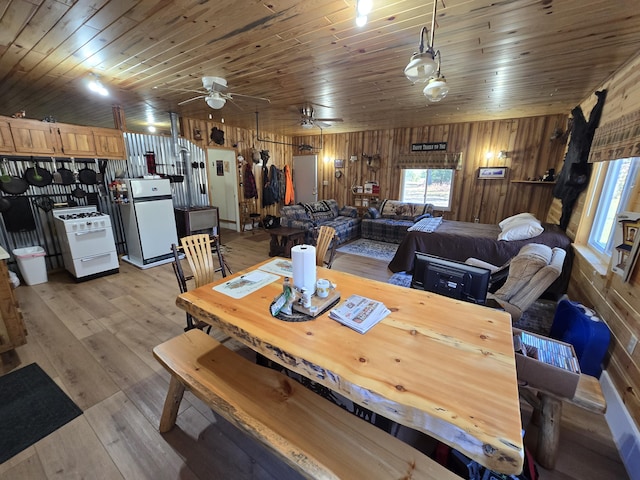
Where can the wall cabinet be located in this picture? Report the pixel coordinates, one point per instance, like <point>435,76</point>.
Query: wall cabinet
<point>21,136</point>
<point>6,142</point>
<point>33,137</point>
<point>109,143</point>
<point>76,141</point>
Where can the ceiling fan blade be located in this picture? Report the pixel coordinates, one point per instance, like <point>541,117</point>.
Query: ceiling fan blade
<point>246,96</point>
<point>328,119</point>
<point>191,99</point>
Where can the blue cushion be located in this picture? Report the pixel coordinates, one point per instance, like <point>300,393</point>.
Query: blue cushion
<point>373,212</point>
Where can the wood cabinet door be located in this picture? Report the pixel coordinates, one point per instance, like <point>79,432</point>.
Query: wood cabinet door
<point>77,141</point>
<point>109,143</point>
<point>6,142</point>
<point>31,136</point>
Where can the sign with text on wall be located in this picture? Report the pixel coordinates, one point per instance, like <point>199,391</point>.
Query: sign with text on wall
<point>428,147</point>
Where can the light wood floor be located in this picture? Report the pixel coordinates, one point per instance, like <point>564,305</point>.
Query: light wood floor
<point>95,339</point>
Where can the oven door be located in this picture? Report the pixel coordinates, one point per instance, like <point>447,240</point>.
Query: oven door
<point>91,242</point>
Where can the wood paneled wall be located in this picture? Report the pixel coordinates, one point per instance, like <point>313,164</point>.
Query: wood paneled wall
<point>617,302</point>
<point>528,141</point>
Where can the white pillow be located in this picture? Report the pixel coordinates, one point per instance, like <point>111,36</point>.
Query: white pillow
<point>515,218</point>
<point>521,230</point>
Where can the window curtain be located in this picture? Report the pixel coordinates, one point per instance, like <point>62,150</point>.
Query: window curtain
<point>430,160</point>
<point>617,139</point>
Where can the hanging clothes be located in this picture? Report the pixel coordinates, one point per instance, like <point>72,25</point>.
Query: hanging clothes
<point>274,183</point>
<point>267,195</point>
<point>250,187</point>
<point>289,196</point>
<point>282,185</point>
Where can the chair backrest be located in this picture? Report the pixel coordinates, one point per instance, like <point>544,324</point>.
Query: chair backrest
<point>198,252</point>
<point>531,272</point>
<point>326,235</point>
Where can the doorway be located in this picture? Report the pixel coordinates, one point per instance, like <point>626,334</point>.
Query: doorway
<point>222,171</point>
<point>305,178</point>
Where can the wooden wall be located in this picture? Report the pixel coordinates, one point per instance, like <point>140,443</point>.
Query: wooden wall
<point>527,141</point>
<point>618,303</point>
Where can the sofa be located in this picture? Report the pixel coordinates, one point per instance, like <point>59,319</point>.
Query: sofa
<point>325,212</point>
<point>389,221</point>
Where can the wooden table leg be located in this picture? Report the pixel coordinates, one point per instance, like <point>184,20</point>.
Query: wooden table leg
<point>549,430</point>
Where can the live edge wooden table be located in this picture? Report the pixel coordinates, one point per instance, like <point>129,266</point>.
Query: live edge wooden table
<point>437,365</point>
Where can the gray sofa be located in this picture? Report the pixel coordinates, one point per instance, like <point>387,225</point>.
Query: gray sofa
<point>391,219</point>
<point>325,212</point>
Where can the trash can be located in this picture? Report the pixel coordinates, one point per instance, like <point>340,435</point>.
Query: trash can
<point>31,264</point>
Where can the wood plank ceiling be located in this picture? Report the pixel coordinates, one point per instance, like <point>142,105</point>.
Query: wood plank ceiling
<point>502,59</point>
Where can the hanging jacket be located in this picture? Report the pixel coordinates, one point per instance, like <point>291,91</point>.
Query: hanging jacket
<point>274,185</point>
<point>267,194</point>
<point>250,187</point>
<point>289,196</point>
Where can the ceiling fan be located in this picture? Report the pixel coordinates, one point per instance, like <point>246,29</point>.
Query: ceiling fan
<point>308,119</point>
<point>214,94</point>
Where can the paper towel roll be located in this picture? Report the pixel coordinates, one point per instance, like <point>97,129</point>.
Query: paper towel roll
<point>303,259</point>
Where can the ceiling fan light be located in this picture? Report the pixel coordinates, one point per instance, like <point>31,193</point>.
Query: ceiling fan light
<point>215,101</point>
<point>436,89</point>
<point>421,67</point>
<point>307,125</point>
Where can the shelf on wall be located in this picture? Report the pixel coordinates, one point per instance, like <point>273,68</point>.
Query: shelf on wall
<point>533,182</point>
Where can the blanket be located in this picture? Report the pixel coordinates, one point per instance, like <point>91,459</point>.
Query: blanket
<point>425,225</point>
<point>462,240</point>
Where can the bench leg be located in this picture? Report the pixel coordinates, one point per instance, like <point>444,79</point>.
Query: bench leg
<point>549,432</point>
<point>171,405</point>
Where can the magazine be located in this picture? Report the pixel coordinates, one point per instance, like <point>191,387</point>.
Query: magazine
<point>359,313</point>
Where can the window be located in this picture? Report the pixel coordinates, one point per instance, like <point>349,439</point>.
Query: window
<point>427,185</point>
<point>619,182</point>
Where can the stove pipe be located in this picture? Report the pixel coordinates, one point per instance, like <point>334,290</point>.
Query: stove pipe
<point>181,155</point>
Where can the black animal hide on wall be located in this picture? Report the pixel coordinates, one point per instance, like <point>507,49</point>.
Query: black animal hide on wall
<point>576,169</point>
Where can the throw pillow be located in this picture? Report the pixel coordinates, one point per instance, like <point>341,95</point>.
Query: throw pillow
<point>521,230</point>
<point>373,212</point>
<point>515,218</point>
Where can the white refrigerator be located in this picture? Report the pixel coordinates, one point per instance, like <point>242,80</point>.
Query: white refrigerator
<point>149,222</point>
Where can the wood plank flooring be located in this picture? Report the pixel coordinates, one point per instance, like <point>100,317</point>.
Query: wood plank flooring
<point>95,340</point>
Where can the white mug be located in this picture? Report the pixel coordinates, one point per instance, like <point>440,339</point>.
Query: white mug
<point>322,288</point>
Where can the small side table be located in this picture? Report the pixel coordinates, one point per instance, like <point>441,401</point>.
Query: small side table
<point>282,239</point>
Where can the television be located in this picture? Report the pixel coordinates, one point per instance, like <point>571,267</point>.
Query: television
<point>450,278</point>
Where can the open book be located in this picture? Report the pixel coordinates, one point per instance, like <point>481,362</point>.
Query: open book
<point>359,313</point>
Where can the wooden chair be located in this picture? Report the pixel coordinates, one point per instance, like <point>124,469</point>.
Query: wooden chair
<point>326,240</point>
<point>249,214</point>
<point>199,251</point>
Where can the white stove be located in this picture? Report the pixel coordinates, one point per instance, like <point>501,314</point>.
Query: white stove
<point>86,238</point>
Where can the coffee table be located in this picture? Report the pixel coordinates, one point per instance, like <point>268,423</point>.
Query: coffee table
<point>283,238</point>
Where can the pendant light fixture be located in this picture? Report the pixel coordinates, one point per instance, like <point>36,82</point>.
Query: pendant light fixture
<point>437,87</point>
<point>423,66</point>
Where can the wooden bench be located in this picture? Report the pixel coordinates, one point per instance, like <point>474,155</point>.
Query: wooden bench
<point>548,414</point>
<point>314,436</point>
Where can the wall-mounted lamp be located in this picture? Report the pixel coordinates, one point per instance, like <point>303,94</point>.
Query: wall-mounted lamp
<point>502,154</point>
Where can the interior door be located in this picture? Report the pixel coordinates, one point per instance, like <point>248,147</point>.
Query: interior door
<point>305,178</point>
<point>223,185</point>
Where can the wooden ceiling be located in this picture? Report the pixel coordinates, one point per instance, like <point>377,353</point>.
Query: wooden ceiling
<point>501,58</point>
